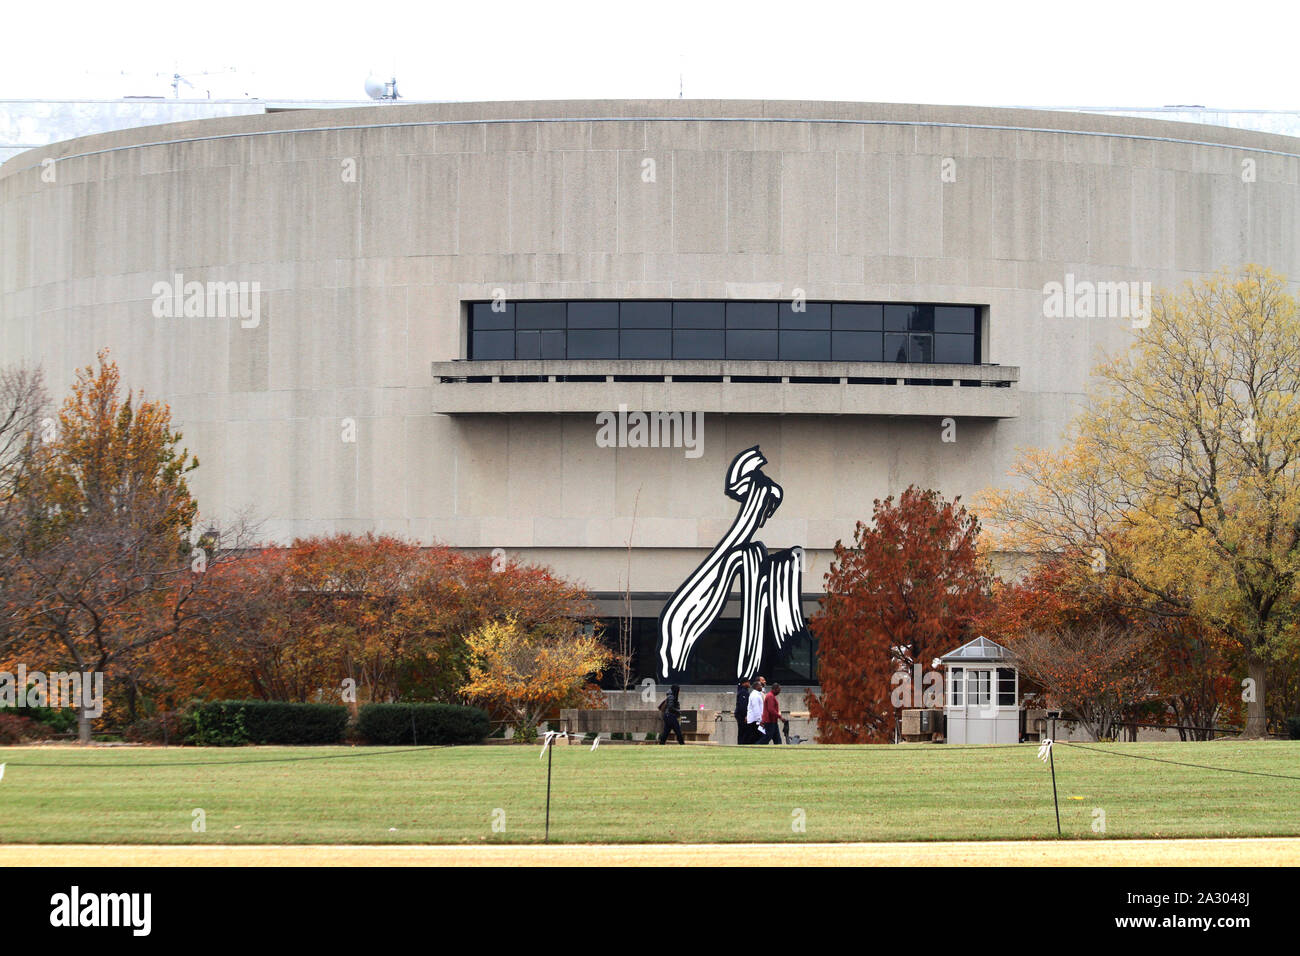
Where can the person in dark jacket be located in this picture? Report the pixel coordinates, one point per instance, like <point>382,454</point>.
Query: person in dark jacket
<point>742,705</point>
<point>672,716</point>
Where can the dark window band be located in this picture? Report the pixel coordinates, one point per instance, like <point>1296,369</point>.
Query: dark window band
<point>731,330</point>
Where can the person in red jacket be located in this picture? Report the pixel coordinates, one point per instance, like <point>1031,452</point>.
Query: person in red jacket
<point>772,715</point>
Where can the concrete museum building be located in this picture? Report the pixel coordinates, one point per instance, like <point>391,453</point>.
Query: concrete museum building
<point>456,322</point>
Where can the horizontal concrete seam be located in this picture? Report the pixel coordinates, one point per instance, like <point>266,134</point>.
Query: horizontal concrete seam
<point>682,119</point>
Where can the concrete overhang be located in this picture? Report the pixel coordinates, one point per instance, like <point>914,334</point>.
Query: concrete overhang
<point>727,388</point>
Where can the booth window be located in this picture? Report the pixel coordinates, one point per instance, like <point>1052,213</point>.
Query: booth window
<point>978,684</point>
<point>1006,687</point>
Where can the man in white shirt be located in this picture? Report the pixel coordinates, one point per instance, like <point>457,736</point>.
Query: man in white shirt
<point>754,712</point>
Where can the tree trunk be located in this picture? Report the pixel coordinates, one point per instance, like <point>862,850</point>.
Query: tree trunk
<point>83,726</point>
<point>1256,716</point>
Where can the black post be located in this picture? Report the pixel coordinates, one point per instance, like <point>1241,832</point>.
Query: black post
<point>415,739</point>
<point>1057,803</point>
<point>549,750</point>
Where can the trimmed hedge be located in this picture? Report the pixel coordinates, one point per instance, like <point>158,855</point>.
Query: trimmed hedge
<point>1293,727</point>
<point>234,722</point>
<point>423,724</point>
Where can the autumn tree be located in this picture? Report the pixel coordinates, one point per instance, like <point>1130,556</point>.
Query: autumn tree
<point>1092,670</point>
<point>1118,658</point>
<point>23,402</point>
<point>383,612</point>
<point>525,673</point>
<point>1181,477</point>
<point>903,592</point>
<point>1194,676</point>
<point>104,565</point>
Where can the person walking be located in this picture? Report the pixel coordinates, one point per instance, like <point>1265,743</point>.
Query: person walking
<point>772,715</point>
<point>754,715</point>
<point>742,707</point>
<point>672,711</point>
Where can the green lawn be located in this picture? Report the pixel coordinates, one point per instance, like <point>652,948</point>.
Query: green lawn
<point>639,794</point>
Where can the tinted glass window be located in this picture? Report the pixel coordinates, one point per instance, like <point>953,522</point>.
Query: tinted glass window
<point>593,343</point>
<point>553,345</point>
<point>751,315</point>
<point>528,345</point>
<point>754,331</point>
<point>898,318</point>
<point>698,315</point>
<point>751,345</point>
<point>484,318</point>
<point>954,319</point>
<point>864,318</point>
<point>646,315</point>
<point>645,344</point>
<point>539,315</point>
<point>855,346</point>
<point>814,315</point>
<point>593,315</point>
<point>895,347</point>
<point>492,345</point>
<point>700,344</point>
<point>954,348</point>
<point>805,346</point>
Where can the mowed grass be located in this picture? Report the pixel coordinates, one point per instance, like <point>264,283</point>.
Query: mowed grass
<point>641,794</point>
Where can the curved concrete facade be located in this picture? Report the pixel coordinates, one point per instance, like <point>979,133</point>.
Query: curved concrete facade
<point>368,229</point>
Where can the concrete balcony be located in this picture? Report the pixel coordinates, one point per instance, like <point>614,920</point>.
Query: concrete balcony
<point>726,388</point>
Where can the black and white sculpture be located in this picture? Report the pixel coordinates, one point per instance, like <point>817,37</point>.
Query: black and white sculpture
<point>770,583</point>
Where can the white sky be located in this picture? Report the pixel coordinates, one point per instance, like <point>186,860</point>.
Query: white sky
<point>1080,53</point>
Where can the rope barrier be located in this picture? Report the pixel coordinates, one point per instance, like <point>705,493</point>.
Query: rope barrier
<point>822,748</point>
<point>1176,763</point>
<point>227,763</point>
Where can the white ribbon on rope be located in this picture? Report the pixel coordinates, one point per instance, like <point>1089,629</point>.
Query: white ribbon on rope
<point>1044,752</point>
<point>552,734</point>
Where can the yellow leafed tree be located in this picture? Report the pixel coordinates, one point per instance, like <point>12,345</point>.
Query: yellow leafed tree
<point>525,673</point>
<point>1181,478</point>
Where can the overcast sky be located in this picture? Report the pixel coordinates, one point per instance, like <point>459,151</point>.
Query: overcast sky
<point>1082,53</point>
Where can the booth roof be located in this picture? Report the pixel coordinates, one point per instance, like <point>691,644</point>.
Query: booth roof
<point>980,649</point>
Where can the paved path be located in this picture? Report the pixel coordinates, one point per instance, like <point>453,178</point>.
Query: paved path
<point>1261,851</point>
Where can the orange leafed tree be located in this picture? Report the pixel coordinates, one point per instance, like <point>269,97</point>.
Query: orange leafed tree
<point>903,592</point>
<point>382,612</point>
<point>1105,655</point>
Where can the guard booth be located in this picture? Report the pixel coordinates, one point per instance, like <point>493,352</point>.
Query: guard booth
<point>982,703</point>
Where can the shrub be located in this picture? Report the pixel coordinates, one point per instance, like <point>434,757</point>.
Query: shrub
<point>224,723</point>
<point>423,724</point>
<point>60,720</point>
<point>214,725</point>
<point>17,730</point>
<point>1293,727</point>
